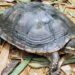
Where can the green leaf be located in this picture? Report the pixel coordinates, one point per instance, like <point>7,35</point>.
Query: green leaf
<point>70,61</point>
<point>24,1</point>
<point>20,67</point>
<point>40,59</point>
<point>1,11</point>
<point>39,62</point>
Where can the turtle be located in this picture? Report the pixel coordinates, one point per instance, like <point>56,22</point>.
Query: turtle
<point>38,29</point>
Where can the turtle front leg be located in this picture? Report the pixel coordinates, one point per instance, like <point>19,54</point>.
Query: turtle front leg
<point>54,69</point>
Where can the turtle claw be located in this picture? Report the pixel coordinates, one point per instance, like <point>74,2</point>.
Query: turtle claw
<point>54,73</point>
<point>55,70</point>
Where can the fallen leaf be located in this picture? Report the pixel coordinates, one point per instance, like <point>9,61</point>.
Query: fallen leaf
<point>4,57</point>
<point>22,65</point>
<point>10,67</point>
<point>72,1</point>
<point>67,69</point>
<point>33,71</point>
<point>8,0</point>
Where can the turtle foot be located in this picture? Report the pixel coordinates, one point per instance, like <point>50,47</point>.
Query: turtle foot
<point>55,70</point>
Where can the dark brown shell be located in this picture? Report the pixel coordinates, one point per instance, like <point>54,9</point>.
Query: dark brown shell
<point>36,27</point>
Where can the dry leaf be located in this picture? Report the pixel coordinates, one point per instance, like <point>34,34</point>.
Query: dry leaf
<point>9,68</point>
<point>8,0</point>
<point>66,69</point>
<point>32,71</point>
<point>69,69</point>
<point>4,57</point>
<point>72,1</point>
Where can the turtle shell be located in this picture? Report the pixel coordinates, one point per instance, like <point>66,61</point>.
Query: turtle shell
<point>35,27</point>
